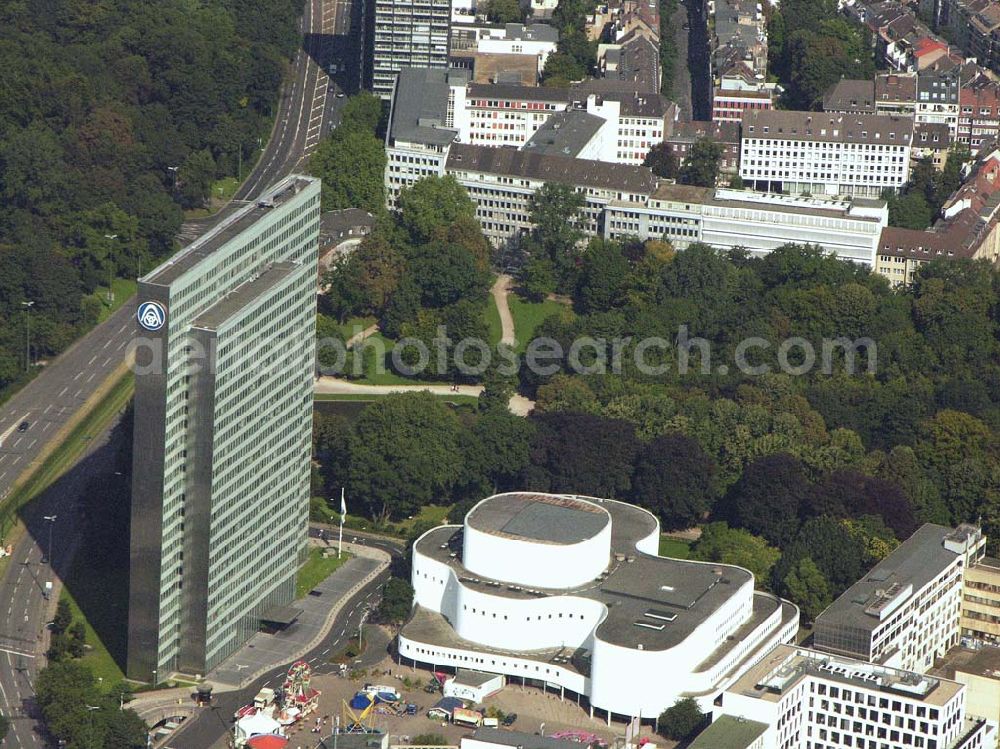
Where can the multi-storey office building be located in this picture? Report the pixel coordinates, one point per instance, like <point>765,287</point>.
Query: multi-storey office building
<point>223,426</point>
<point>799,152</point>
<point>408,33</point>
<point>625,201</point>
<point>422,125</point>
<point>905,612</point>
<point>812,700</point>
<point>981,602</point>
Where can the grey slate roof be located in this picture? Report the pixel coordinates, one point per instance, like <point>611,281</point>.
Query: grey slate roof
<point>420,106</point>
<point>559,169</point>
<point>565,133</point>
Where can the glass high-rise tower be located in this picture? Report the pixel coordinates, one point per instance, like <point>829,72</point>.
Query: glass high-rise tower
<point>223,428</point>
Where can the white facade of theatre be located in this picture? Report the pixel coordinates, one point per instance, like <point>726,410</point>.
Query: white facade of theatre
<point>517,634</point>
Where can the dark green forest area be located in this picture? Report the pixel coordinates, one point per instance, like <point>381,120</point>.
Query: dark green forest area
<point>115,115</point>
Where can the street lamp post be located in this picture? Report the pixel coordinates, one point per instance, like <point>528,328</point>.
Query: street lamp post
<point>174,169</point>
<point>154,678</point>
<point>27,333</point>
<point>111,293</point>
<point>90,715</point>
<point>51,520</point>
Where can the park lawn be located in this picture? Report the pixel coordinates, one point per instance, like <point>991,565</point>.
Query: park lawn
<point>528,316</point>
<point>316,569</point>
<point>674,547</point>
<point>97,658</point>
<point>491,316</point>
<point>122,290</point>
<point>225,188</point>
<point>433,514</point>
<point>355,325</point>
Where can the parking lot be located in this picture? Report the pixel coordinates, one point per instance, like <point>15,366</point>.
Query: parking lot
<point>533,708</point>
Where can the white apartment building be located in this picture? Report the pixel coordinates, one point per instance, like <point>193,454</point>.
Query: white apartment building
<point>509,115</point>
<point>569,593</point>
<point>825,154</point>
<point>812,700</point>
<point>906,611</point>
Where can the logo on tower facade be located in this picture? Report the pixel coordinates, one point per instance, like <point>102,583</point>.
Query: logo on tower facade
<point>151,315</point>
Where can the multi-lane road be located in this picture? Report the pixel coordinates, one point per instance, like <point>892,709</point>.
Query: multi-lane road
<point>308,105</point>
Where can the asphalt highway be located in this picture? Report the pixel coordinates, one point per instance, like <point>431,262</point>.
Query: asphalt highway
<point>58,391</point>
<point>23,594</point>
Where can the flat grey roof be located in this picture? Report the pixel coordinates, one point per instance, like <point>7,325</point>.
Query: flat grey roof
<point>242,296</point>
<point>856,127</point>
<point>283,615</point>
<point>538,517</point>
<point>638,589</point>
<point>565,133</point>
<point>917,561</point>
<point>229,228</point>
<point>534,32</point>
<point>420,105</point>
<point>473,678</point>
<point>548,168</point>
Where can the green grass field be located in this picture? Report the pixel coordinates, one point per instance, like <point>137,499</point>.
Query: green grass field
<point>355,325</point>
<point>491,316</point>
<point>98,658</point>
<point>316,569</point>
<point>528,316</point>
<point>674,547</point>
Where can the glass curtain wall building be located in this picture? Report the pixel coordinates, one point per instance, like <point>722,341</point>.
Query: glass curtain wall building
<point>225,359</point>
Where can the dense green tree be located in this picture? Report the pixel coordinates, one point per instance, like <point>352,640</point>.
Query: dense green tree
<point>807,588</point>
<point>404,453</point>
<point>604,277</point>
<point>556,236</point>
<point>768,498</point>
<point>600,465</point>
<point>681,720</point>
<point>675,480</point>
<point>433,203</point>
<point>351,163</point>
<point>496,449</point>
<point>195,178</point>
<point>701,167</point>
<point>720,543</point>
<point>662,160</point>
<point>397,601</point>
<point>909,211</point>
<point>504,11</point>
<point>4,727</point>
<point>447,273</point>
<point>538,278</point>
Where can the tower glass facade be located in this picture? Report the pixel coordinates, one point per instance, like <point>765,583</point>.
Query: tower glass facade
<point>223,426</point>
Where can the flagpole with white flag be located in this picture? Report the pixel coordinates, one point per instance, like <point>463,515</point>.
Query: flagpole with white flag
<point>343,517</point>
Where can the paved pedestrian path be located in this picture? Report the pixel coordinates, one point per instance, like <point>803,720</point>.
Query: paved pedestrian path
<point>500,292</point>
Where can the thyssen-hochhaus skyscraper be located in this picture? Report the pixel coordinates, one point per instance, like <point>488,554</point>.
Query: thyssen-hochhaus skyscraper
<point>223,426</point>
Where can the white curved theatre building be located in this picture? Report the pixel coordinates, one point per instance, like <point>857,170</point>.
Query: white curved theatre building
<point>568,593</point>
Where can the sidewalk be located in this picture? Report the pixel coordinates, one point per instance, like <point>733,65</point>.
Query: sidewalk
<point>518,405</point>
<point>500,291</point>
<point>265,652</point>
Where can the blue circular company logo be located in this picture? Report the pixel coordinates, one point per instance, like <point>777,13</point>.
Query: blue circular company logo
<point>151,315</point>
